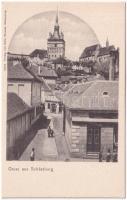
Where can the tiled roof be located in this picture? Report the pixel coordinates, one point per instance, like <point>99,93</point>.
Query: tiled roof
<point>41,53</point>
<point>105,50</point>
<point>15,106</point>
<point>45,72</point>
<point>18,72</point>
<point>94,95</point>
<point>34,70</point>
<point>89,51</point>
<point>74,92</point>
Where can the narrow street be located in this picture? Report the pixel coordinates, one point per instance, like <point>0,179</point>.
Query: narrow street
<point>62,148</point>
<point>48,148</point>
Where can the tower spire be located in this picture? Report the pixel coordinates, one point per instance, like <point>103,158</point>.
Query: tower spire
<point>57,16</point>
<point>56,27</point>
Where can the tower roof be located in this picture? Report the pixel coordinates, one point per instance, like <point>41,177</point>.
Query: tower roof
<point>56,35</point>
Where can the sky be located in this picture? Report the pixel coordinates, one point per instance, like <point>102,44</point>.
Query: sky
<point>33,34</point>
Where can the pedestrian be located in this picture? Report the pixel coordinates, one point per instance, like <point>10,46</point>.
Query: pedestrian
<point>108,156</point>
<point>52,133</point>
<point>49,131</point>
<point>32,155</point>
<point>100,156</point>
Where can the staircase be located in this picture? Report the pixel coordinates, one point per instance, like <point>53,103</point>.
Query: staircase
<point>92,155</point>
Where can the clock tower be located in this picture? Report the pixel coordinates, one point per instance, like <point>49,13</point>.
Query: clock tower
<point>55,42</point>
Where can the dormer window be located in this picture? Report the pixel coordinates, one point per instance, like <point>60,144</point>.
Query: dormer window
<point>105,93</point>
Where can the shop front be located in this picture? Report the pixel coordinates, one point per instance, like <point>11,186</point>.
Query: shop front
<point>88,139</point>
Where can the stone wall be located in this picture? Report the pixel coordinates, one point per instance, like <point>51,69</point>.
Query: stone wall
<point>79,140</point>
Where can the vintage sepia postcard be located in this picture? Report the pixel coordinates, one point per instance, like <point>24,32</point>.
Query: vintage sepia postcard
<point>63,126</point>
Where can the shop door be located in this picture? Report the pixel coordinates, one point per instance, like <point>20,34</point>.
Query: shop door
<point>93,139</point>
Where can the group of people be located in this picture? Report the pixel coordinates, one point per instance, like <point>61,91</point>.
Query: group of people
<point>109,156</point>
<point>50,132</point>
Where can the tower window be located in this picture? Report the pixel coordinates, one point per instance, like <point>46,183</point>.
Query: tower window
<point>55,45</point>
